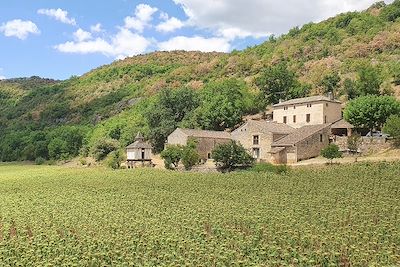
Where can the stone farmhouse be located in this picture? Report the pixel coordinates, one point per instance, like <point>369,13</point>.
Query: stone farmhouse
<point>300,129</point>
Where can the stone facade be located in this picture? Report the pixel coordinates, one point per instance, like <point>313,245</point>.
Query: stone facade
<point>257,136</point>
<point>206,141</point>
<point>305,143</point>
<point>308,111</point>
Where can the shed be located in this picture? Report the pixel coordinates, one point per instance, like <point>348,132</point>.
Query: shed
<point>139,152</point>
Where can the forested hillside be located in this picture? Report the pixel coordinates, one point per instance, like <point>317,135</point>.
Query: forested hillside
<point>351,54</point>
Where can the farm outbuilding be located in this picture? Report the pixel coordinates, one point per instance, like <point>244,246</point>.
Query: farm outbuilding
<point>206,140</point>
<point>140,152</point>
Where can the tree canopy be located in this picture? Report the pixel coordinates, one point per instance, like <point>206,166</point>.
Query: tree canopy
<point>371,111</point>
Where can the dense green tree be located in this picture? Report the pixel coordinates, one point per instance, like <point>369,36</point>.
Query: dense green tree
<point>392,127</point>
<point>274,81</point>
<point>58,149</point>
<point>371,111</point>
<point>103,147</point>
<point>330,82</point>
<point>223,105</point>
<point>369,80</point>
<point>331,152</point>
<point>350,89</point>
<point>278,82</point>
<point>391,12</point>
<point>168,109</point>
<point>231,155</point>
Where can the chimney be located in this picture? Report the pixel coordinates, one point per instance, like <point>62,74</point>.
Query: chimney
<point>330,96</point>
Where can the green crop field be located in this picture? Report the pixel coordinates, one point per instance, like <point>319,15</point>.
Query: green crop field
<point>330,216</point>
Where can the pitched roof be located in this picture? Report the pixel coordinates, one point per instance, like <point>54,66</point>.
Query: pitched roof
<point>206,134</point>
<point>342,124</point>
<point>299,135</point>
<point>268,127</point>
<point>306,100</point>
<point>139,143</point>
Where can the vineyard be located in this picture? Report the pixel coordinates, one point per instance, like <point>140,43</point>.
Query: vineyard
<point>330,216</point>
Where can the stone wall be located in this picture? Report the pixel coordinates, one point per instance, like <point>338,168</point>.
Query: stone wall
<point>245,137</point>
<point>311,147</point>
<point>369,145</point>
<point>206,145</point>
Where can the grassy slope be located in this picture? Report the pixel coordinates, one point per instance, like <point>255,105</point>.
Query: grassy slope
<point>338,215</point>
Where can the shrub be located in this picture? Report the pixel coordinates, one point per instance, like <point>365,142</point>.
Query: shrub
<point>268,167</point>
<point>331,152</point>
<point>190,157</point>
<point>392,127</point>
<point>353,143</point>
<point>40,161</point>
<point>231,155</point>
<point>171,156</point>
<point>114,160</point>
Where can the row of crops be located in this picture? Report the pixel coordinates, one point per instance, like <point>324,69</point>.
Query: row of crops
<point>330,216</point>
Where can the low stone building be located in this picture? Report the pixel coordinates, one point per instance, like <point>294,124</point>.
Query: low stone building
<point>257,137</point>
<point>206,140</point>
<point>304,143</point>
<point>139,153</point>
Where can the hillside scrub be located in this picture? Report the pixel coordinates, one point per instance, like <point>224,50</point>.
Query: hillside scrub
<point>352,54</point>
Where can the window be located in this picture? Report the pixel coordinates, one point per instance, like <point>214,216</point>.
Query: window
<point>326,104</point>
<point>284,119</point>
<point>325,119</point>
<point>294,107</point>
<point>209,155</point>
<point>256,153</point>
<point>285,108</point>
<point>294,118</point>
<point>309,105</point>
<point>256,140</point>
<point>321,139</point>
<point>308,117</point>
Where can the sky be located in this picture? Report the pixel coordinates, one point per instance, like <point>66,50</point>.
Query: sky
<point>60,38</point>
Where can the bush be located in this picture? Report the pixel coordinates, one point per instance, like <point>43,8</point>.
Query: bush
<point>190,157</point>
<point>392,127</point>
<point>231,155</point>
<point>171,156</point>
<point>331,152</point>
<point>40,161</point>
<point>114,160</point>
<point>268,167</point>
<point>103,147</point>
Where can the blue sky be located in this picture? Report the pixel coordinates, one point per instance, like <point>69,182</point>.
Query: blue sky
<point>60,38</point>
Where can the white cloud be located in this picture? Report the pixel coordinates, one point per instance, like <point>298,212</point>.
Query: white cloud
<point>196,43</point>
<point>143,16</point>
<point>257,18</point>
<point>81,35</point>
<point>96,28</point>
<point>2,77</point>
<point>123,44</point>
<point>58,14</point>
<point>170,25</point>
<point>19,28</point>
